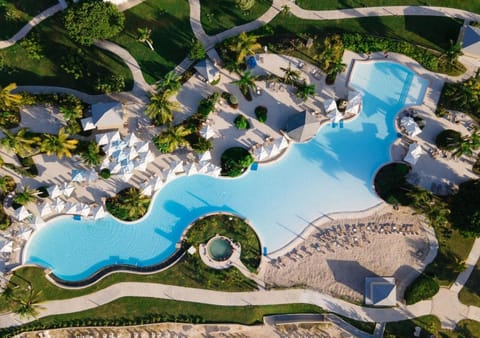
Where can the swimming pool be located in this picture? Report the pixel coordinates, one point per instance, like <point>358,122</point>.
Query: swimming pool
<point>331,173</point>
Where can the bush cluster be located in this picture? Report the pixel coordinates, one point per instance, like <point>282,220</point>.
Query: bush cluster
<point>235,161</point>
<point>261,113</point>
<point>241,122</point>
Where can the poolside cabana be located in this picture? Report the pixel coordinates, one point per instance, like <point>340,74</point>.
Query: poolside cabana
<point>206,156</point>
<point>415,151</point>
<point>380,291</point>
<point>411,127</point>
<point>98,212</point>
<point>107,115</point>
<point>21,213</point>
<point>303,126</point>
<point>54,191</point>
<point>260,153</point>
<point>45,209</point>
<point>281,143</point>
<point>354,104</point>
<point>207,132</point>
<point>207,70</point>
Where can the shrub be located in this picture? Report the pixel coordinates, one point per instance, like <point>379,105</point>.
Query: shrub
<point>205,107</point>
<point>200,144</point>
<point>235,161</point>
<point>391,185</point>
<point>245,5</point>
<point>112,84</point>
<point>197,51</point>
<point>465,207</point>
<point>105,173</point>
<point>448,139</point>
<point>241,122</point>
<point>261,114</point>
<point>476,166</point>
<point>424,287</point>
<point>233,101</point>
<point>5,221</point>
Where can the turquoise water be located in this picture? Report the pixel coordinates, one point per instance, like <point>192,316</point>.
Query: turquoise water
<point>331,173</point>
<point>219,249</point>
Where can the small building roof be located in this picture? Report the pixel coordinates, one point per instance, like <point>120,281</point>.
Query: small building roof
<point>301,127</point>
<point>471,41</point>
<point>207,69</point>
<point>107,115</point>
<point>380,291</point>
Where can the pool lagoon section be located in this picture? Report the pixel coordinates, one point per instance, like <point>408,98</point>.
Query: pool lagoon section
<point>332,173</point>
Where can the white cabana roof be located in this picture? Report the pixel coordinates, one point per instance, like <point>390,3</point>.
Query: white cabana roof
<point>207,132</point>
<point>45,209</point>
<point>131,140</point>
<point>168,174</point>
<point>354,104</point>
<point>91,175</point>
<point>67,189</point>
<point>206,156</point>
<point>106,138</point>
<point>147,188</point>
<point>177,166</point>
<point>87,123</point>
<point>72,208</point>
<point>260,153</point>
<point>415,151</point>
<point>78,175</point>
<point>191,169</point>
<point>24,233</point>
<point>98,212</point>
<point>6,247</point>
<point>411,127</point>
<point>335,116</point>
<point>281,143</point>
<point>54,191</point>
<point>329,105</point>
<point>58,205</point>
<point>143,147</point>
<point>156,182</point>
<point>37,222</point>
<point>85,210</point>
<point>272,150</point>
<point>203,167</point>
<point>21,213</point>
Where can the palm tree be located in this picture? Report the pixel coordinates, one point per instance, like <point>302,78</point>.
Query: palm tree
<point>246,81</point>
<point>19,143</point>
<point>135,202</point>
<point>285,10</point>
<point>290,76</point>
<point>27,306</point>
<point>336,67</point>
<point>144,35</point>
<point>59,144</point>
<point>26,196</point>
<point>70,114</point>
<point>160,109</point>
<point>7,184</point>
<point>464,147</point>
<point>452,53</point>
<point>304,90</point>
<point>170,83</point>
<point>7,99</point>
<point>244,45</point>
<point>171,139</point>
<point>92,156</point>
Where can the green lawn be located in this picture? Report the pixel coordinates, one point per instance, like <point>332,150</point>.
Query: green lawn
<point>171,35</point>
<point>430,326</point>
<point>14,14</point>
<point>144,310</point>
<point>470,293</point>
<point>16,66</point>
<point>473,6</point>
<point>217,16</point>
<point>416,30</point>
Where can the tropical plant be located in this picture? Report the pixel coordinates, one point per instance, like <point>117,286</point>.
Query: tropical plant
<point>448,139</point>
<point>160,109</point>
<point>235,161</point>
<point>91,20</point>
<point>9,119</point>
<point>19,143</point>
<point>70,113</point>
<point>261,113</point>
<point>27,304</point>
<point>7,184</point>
<point>92,156</point>
<point>201,144</point>
<point>241,122</point>
<point>197,51</point>
<point>465,206</point>
<point>244,45</point>
<point>144,36</point>
<point>7,98</point>
<point>245,5</point>
<point>26,195</point>
<point>290,76</point>
<point>285,10</point>
<point>170,83</point>
<point>171,139</point>
<point>336,67</point>
<point>452,53</point>
<point>129,204</point>
<point>305,90</point>
<point>246,82</point>
<point>58,144</point>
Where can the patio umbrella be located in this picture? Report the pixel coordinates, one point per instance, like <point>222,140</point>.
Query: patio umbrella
<point>207,132</point>
<point>24,233</point>
<point>67,189</point>
<point>87,123</point>
<point>84,210</point>
<point>272,150</point>
<point>115,167</point>
<point>131,140</point>
<point>140,164</point>
<point>147,188</point>
<point>58,205</point>
<point>156,183</point>
<point>335,116</point>
<point>260,153</point>
<point>177,166</point>
<point>6,247</point>
<point>411,127</point>
<point>98,212</point>
<point>72,208</point>
<point>21,213</point>
<point>168,174</point>
<point>91,175</point>
<point>415,151</point>
<point>54,191</point>
<point>191,169</point>
<point>203,167</point>
<point>354,104</point>
<point>107,138</point>
<point>78,175</point>
<point>105,163</point>
<point>143,147</point>
<point>126,176</point>
<point>281,143</point>
<point>45,209</point>
<point>148,156</point>
<point>206,156</point>
<point>37,222</point>
<point>130,152</point>
<point>329,105</point>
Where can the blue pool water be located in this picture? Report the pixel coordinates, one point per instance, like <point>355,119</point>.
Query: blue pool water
<point>331,173</point>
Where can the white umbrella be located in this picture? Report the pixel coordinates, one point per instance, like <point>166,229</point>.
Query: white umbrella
<point>415,151</point>
<point>140,164</point>
<point>87,123</point>
<point>191,169</point>
<point>131,140</point>
<point>335,116</point>
<point>91,175</point>
<point>206,156</point>
<point>37,222</point>
<point>281,143</point>
<point>21,213</point>
<point>203,167</point>
<point>354,104</point>
<point>85,210</point>
<point>147,188</point>
<point>329,105</point>
<point>105,163</point>
<point>126,176</point>
<point>107,138</point>
<point>115,167</point>
<point>207,132</point>
<point>58,205</point>
<point>177,167</point>
<point>98,212</point>
<point>168,174</point>
<point>54,191</point>
<point>72,208</point>
<point>6,247</point>
<point>24,233</point>
<point>143,147</point>
<point>272,150</point>
<point>156,183</point>
<point>78,175</point>
<point>411,127</point>
<point>67,189</point>
<point>213,170</point>
<point>260,153</point>
<point>45,209</point>
<point>147,156</point>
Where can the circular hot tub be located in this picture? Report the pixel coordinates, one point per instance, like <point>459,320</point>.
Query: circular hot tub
<point>219,249</point>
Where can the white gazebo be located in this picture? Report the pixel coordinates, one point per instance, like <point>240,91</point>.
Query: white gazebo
<point>415,151</point>
<point>207,132</point>
<point>21,213</point>
<point>354,104</point>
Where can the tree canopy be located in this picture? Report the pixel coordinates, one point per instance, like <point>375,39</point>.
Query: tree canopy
<point>465,206</point>
<point>92,20</point>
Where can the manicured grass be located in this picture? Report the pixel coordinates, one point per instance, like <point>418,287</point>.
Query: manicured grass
<point>217,16</point>
<point>473,6</point>
<point>416,30</point>
<point>22,11</point>
<point>470,293</point>
<point>148,310</point>
<point>171,35</point>
<point>233,228</point>
<point>430,325</point>
<point>56,45</point>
